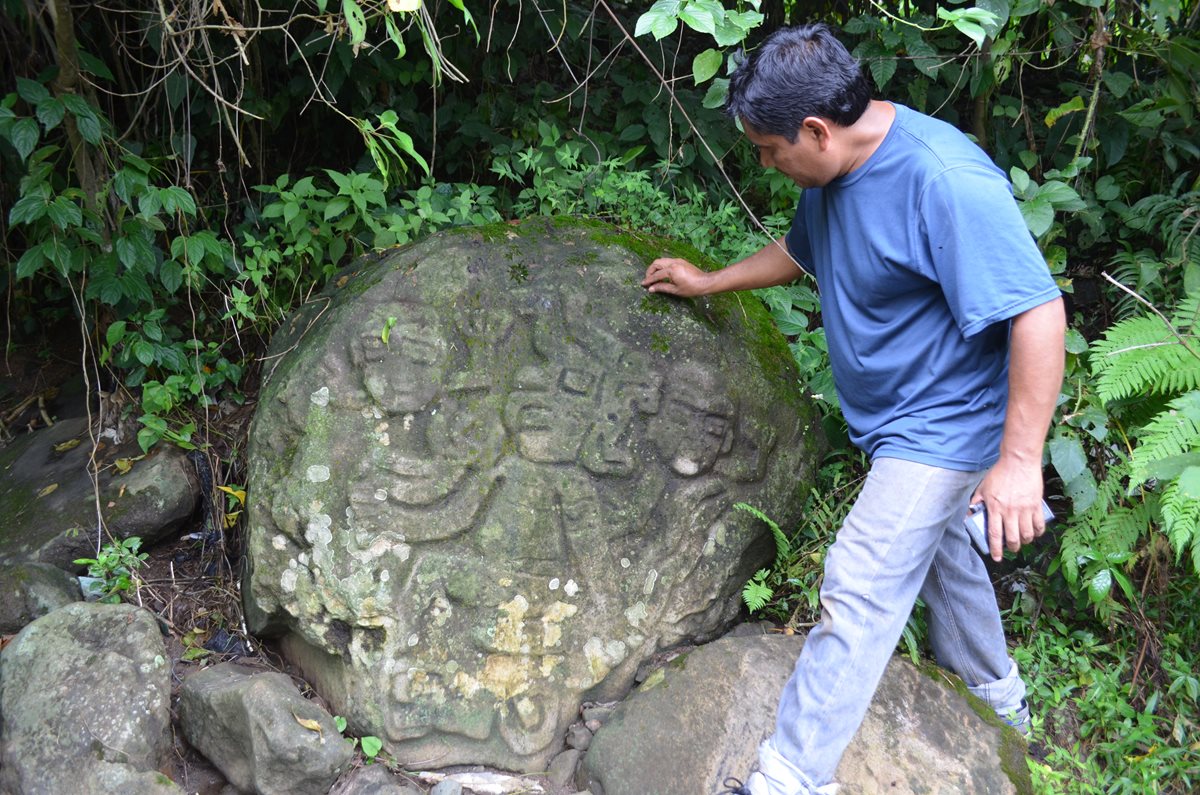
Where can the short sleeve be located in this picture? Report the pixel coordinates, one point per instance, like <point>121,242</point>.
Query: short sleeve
<point>979,249</point>
<point>797,240</point>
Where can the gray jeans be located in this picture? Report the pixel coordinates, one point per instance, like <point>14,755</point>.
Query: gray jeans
<point>903,538</point>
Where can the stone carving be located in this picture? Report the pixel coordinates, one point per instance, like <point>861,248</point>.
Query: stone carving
<point>490,476</point>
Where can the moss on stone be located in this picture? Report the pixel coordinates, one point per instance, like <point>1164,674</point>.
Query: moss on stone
<point>1013,751</point>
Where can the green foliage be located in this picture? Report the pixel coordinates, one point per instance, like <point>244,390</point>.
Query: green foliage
<point>116,567</point>
<point>369,744</point>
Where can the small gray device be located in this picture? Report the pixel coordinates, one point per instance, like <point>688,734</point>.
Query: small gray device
<point>976,524</point>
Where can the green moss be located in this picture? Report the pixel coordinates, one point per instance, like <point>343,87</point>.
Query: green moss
<point>1013,751</point>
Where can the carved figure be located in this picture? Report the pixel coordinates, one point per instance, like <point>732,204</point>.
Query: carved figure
<point>478,500</point>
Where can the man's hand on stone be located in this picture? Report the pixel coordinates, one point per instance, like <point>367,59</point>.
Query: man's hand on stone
<point>675,277</point>
<point>1012,493</point>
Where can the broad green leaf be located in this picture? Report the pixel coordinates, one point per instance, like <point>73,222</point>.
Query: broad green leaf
<point>661,20</point>
<point>27,209</point>
<point>64,213</point>
<point>701,16</point>
<point>24,137</point>
<point>1171,467</point>
<point>1099,585</point>
<point>171,275</point>
<point>115,332</point>
<point>31,262</point>
<point>745,20</point>
<point>999,11</point>
<point>1076,343</point>
<point>1118,83</point>
<point>336,207</point>
<point>50,113</point>
<point>1082,492</point>
<point>371,746</point>
<point>32,91</point>
<point>1189,480</point>
<point>394,34</point>
<point>882,69</point>
<point>1061,195</point>
<point>1072,105</point>
<point>971,30</point>
<point>143,351</point>
<point>91,63</point>
<point>355,20</point>
<point>1107,188</point>
<point>705,65</point>
<point>1067,456</point>
<point>89,128</point>
<point>715,96</point>
<point>1038,214</point>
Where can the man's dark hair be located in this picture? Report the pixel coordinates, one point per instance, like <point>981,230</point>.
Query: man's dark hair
<point>796,73</point>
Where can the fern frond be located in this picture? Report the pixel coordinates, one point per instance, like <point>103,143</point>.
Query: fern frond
<point>782,546</point>
<point>1142,354</point>
<point>1173,432</point>
<point>1181,519</point>
<point>756,593</point>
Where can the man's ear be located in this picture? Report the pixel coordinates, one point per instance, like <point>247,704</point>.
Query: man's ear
<point>820,130</point>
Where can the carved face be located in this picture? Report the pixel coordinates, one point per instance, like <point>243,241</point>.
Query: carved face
<point>694,423</point>
<point>551,411</point>
<point>401,352</point>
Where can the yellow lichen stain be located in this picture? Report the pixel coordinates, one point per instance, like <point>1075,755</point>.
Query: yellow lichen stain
<point>421,683</point>
<point>465,684</point>
<point>510,627</point>
<point>549,663</point>
<point>594,651</point>
<point>506,675</point>
<point>552,619</point>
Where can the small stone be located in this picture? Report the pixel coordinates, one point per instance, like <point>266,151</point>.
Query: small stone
<point>579,737</point>
<point>593,725</point>
<point>599,712</point>
<point>446,787</point>
<point>562,767</point>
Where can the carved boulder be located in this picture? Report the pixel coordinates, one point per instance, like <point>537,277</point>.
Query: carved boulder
<point>490,476</point>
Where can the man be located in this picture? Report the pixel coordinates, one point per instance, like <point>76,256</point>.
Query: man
<point>945,333</point>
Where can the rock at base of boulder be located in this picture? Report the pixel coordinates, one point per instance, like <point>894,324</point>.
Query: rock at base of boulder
<point>85,698</point>
<point>249,724</point>
<point>373,780</point>
<point>29,591</point>
<point>704,719</point>
<point>49,504</point>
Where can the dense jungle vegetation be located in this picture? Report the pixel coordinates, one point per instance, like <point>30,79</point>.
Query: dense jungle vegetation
<point>177,176</point>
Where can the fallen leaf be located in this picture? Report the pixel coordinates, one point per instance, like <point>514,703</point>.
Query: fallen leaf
<point>237,494</point>
<point>111,504</point>
<point>123,465</point>
<point>69,444</point>
<point>121,492</point>
<point>342,281</point>
<point>195,653</point>
<point>47,490</point>
<point>308,723</point>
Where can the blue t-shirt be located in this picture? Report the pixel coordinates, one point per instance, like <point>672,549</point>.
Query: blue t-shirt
<point>921,257</point>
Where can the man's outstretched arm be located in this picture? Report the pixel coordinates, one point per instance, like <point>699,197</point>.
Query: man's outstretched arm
<point>770,266</point>
<point>1012,489</point>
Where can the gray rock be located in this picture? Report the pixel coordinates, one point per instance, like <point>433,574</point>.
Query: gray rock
<point>578,736</point>
<point>247,724</point>
<point>562,767</point>
<point>31,590</point>
<point>373,780</point>
<point>446,788</point>
<point>85,703</point>
<point>703,720</point>
<point>151,501</point>
<point>490,475</point>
